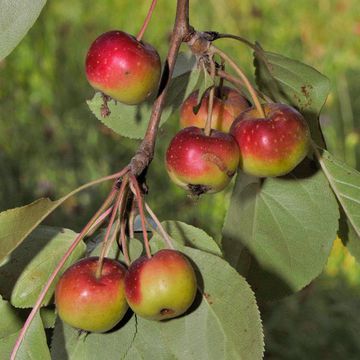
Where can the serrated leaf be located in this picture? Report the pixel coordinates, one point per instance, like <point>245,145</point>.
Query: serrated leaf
<point>345,182</point>
<point>191,236</point>
<point>16,224</point>
<point>278,232</point>
<point>34,345</point>
<point>10,319</point>
<point>224,323</point>
<point>67,343</point>
<point>23,276</point>
<point>132,121</point>
<point>16,19</point>
<point>48,317</point>
<point>290,81</point>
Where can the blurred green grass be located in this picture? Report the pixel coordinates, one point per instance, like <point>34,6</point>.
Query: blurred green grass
<point>50,143</point>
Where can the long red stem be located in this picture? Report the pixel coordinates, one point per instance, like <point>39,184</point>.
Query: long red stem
<point>111,222</point>
<point>146,21</point>
<point>139,200</point>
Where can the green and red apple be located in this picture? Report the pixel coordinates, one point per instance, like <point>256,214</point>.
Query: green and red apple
<point>122,67</point>
<point>90,303</point>
<point>161,287</point>
<point>228,104</point>
<point>202,163</point>
<point>274,145</point>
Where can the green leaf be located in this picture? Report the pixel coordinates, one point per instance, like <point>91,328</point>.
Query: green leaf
<point>224,323</point>
<point>289,81</point>
<point>11,321</point>
<point>135,248</point>
<point>34,345</point>
<point>16,19</point>
<point>278,232</point>
<point>345,182</point>
<point>132,121</point>
<point>23,276</point>
<point>185,62</point>
<point>67,343</point>
<point>191,236</point>
<point>48,317</point>
<point>16,224</point>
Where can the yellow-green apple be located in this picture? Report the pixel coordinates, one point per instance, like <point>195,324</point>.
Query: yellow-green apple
<point>161,287</point>
<point>122,67</point>
<point>200,163</point>
<point>274,145</point>
<point>90,303</point>
<point>228,104</point>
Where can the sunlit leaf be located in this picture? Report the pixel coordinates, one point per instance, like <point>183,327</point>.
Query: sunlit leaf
<point>279,231</point>
<point>16,18</point>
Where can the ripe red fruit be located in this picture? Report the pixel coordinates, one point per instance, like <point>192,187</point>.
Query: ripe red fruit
<point>90,303</point>
<point>201,163</point>
<point>162,287</point>
<point>227,106</point>
<point>122,67</point>
<point>274,145</point>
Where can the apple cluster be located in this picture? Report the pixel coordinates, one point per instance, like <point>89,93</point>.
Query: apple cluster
<point>157,288</point>
<point>264,140</point>
<point>268,144</point>
<point>240,138</point>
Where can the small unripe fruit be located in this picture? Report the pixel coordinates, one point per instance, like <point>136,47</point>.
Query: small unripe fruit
<point>122,67</point>
<point>90,303</point>
<point>161,287</point>
<point>200,163</point>
<point>228,104</point>
<point>274,145</point>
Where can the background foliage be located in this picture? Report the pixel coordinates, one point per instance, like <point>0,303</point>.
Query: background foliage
<point>50,142</point>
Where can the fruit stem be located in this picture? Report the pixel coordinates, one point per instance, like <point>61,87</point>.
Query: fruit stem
<point>53,275</point>
<point>247,83</point>
<point>124,242</point>
<point>136,190</point>
<point>146,21</point>
<point>163,232</point>
<point>235,37</point>
<point>207,129</point>
<point>99,222</point>
<point>238,82</point>
<point>132,219</point>
<point>109,227</point>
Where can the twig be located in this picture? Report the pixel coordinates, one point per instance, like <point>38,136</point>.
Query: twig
<point>181,32</point>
